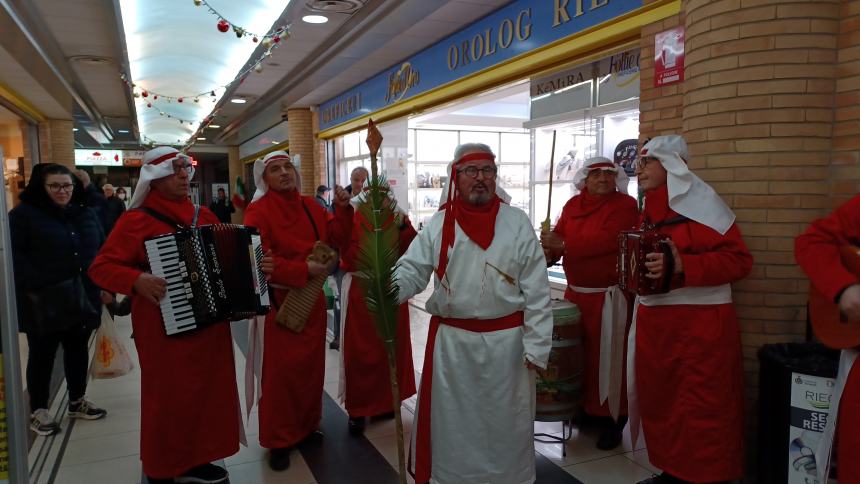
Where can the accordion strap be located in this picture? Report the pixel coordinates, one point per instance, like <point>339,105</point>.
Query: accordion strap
<point>196,215</point>
<point>670,221</point>
<point>163,218</point>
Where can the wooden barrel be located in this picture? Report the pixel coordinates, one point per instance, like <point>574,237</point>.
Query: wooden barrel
<point>559,387</point>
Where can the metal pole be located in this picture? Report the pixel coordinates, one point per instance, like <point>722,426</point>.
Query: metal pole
<point>17,415</point>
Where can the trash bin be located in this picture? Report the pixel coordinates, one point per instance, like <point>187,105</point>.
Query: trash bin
<point>795,384</point>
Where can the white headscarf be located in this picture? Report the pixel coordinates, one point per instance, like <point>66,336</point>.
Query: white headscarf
<point>260,167</point>
<point>688,194</point>
<point>157,163</point>
<point>600,162</point>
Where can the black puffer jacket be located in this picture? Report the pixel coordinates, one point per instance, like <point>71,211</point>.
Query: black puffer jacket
<point>51,244</point>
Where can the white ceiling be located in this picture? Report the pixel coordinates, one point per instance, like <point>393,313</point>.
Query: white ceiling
<point>179,51</point>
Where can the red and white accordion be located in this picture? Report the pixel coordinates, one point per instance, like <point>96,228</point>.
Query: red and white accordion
<point>633,246</point>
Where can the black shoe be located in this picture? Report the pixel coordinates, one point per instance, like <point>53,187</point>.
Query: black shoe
<point>279,459</point>
<point>85,410</point>
<point>205,474</point>
<point>356,425</point>
<point>334,345</point>
<point>609,439</point>
<point>42,423</point>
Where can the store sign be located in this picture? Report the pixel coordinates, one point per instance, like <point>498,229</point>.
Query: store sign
<point>514,30</point>
<point>810,406</point>
<point>669,57</point>
<point>624,65</point>
<point>132,158</point>
<point>98,157</point>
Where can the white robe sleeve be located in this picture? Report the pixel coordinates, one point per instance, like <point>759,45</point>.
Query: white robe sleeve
<point>534,284</point>
<point>415,267</point>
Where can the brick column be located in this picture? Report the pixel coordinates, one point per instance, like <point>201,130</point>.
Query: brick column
<point>845,164</point>
<point>320,165</point>
<point>57,142</point>
<point>302,143</point>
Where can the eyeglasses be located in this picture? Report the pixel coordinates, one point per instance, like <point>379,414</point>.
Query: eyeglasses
<point>488,171</point>
<point>57,187</point>
<point>177,167</point>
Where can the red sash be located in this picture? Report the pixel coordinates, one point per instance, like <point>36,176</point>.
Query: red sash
<point>422,440</point>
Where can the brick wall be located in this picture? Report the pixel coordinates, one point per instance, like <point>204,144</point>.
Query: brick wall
<point>57,142</point>
<point>844,167</point>
<point>302,143</point>
<point>757,110</point>
<point>320,166</point>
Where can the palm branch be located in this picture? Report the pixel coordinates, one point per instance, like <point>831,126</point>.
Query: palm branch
<point>378,251</point>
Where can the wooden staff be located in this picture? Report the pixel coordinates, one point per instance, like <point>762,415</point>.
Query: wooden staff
<point>545,225</point>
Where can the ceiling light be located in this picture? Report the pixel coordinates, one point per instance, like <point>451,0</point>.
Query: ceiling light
<point>238,100</point>
<point>75,130</point>
<point>274,142</point>
<point>122,131</point>
<point>214,126</point>
<point>201,138</point>
<point>315,19</point>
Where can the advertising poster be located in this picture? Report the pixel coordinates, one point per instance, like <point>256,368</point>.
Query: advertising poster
<point>669,57</point>
<point>810,404</point>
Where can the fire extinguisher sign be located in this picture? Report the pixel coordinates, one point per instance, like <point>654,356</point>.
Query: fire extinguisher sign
<point>810,405</point>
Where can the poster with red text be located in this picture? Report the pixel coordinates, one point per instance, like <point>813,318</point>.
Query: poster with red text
<point>669,57</point>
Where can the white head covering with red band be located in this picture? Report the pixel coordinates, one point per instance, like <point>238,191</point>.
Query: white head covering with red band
<point>157,163</point>
<point>688,194</point>
<point>260,167</point>
<point>600,163</point>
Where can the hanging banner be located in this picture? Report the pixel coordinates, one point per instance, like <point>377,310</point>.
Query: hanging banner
<point>810,405</point>
<point>669,57</point>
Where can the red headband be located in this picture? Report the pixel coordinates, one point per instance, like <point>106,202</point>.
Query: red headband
<point>163,158</point>
<point>597,166</point>
<point>277,157</point>
<point>481,155</point>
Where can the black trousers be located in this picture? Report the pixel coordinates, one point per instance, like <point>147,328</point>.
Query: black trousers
<point>40,364</point>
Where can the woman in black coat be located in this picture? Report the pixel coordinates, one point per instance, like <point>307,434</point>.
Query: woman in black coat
<point>54,240</point>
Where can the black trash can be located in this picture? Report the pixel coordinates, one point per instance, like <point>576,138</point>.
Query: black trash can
<point>795,384</point>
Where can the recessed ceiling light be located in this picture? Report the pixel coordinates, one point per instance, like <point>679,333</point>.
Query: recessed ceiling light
<point>315,19</point>
<point>201,138</point>
<point>122,131</point>
<point>214,126</point>
<point>75,130</point>
<point>238,100</point>
<point>274,142</point>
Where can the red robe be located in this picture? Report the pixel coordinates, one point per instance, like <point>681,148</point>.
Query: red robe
<point>817,252</point>
<point>689,371</point>
<point>293,364</point>
<point>368,389</point>
<point>189,403</point>
<point>590,226</point>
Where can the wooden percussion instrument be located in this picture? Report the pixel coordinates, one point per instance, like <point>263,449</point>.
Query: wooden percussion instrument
<point>297,306</point>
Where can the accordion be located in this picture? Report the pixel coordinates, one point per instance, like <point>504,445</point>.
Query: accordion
<point>213,274</point>
<point>633,246</point>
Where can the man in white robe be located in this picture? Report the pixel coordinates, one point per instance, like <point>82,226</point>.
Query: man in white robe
<point>491,329</point>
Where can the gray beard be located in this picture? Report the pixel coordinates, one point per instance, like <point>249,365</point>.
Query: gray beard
<point>480,198</point>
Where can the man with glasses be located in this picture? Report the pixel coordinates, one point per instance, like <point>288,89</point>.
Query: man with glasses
<point>190,414</point>
<point>685,373</point>
<point>491,328</point>
<point>586,234</point>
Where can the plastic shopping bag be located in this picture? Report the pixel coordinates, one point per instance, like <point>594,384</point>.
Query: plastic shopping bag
<point>111,359</point>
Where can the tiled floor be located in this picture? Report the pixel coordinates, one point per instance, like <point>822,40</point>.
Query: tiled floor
<point>107,451</point>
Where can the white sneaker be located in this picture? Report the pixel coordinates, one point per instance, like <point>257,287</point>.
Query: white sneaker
<point>42,423</point>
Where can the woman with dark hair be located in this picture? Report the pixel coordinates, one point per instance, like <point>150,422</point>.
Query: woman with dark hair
<point>54,240</point>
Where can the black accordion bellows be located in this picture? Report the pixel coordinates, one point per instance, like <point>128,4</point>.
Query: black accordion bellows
<point>213,274</point>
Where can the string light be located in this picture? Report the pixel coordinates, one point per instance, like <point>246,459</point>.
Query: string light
<point>277,34</point>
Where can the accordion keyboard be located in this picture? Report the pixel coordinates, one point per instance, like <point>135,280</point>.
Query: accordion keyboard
<point>176,306</point>
<point>260,285</point>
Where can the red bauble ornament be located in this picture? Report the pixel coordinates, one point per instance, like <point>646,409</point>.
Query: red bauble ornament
<point>149,105</point>
<point>155,97</point>
<point>144,94</point>
<point>223,25</point>
<point>180,99</point>
<point>255,39</point>
<point>277,39</point>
